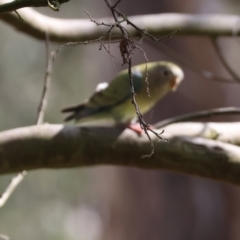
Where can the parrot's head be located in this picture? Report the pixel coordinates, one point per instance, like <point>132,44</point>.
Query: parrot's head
<point>164,74</point>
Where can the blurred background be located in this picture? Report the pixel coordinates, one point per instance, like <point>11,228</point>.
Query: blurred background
<point>104,202</point>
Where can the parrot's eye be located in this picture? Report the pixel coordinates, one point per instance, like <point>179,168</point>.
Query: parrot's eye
<point>165,72</point>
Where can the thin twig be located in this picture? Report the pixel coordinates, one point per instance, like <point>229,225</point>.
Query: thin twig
<point>127,46</point>
<point>47,83</point>
<point>197,115</point>
<point>10,188</point>
<point>109,49</point>
<point>100,39</point>
<point>146,70</point>
<point>143,30</point>
<point>97,23</point>
<point>221,56</point>
<point>106,49</point>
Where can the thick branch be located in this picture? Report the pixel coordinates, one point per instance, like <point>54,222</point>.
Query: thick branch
<point>56,146</point>
<point>36,24</point>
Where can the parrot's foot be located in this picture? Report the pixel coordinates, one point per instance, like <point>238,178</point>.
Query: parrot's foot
<point>138,129</point>
<point>135,127</point>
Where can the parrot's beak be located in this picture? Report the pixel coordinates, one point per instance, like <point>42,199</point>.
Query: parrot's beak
<point>178,77</point>
<point>174,83</point>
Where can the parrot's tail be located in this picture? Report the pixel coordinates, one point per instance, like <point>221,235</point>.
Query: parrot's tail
<point>75,111</point>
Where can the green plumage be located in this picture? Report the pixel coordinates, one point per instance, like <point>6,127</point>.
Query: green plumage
<point>113,105</point>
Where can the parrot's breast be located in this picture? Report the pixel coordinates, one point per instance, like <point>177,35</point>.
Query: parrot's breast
<point>126,112</point>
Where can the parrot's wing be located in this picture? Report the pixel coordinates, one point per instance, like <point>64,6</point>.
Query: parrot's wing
<point>107,96</point>
<point>116,92</point>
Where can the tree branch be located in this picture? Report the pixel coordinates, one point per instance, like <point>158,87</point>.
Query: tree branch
<point>57,146</point>
<point>15,181</point>
<point>17,4</point>
<point>60,30</point>
<point>198,115</point>
<point>47,82</point>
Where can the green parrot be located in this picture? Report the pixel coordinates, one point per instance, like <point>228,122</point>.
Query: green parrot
<point>112,103</point>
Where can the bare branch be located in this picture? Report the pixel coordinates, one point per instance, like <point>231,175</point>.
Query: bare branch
<point>100,39</point>
<point>56,146</point>
<point>97,23</point>
<point>14,5</point>
<point>198,115</point>
<point>60,30</point>
<point>47,83</point>
<point>11,187</point>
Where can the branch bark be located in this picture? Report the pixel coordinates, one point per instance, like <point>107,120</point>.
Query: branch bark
<point>17,4</point>
<point>61,30</point>
<point>58,146</point>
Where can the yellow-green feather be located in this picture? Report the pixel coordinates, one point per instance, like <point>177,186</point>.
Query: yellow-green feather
<point>114,105</point>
